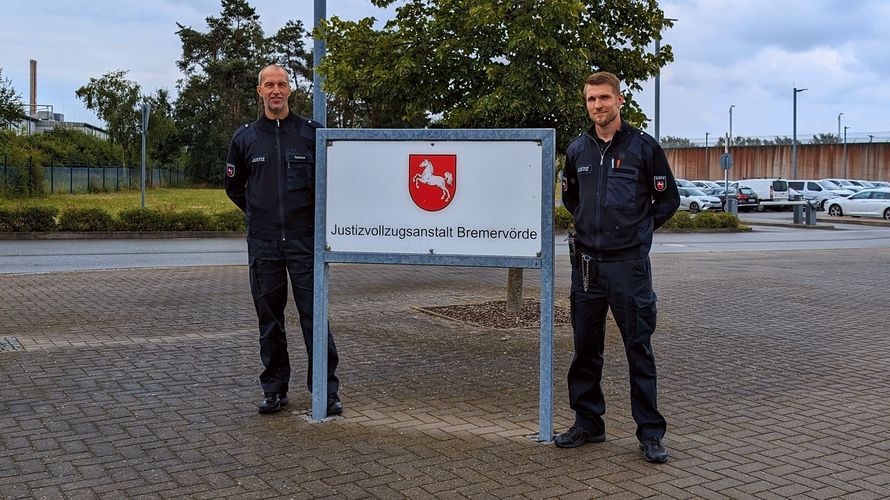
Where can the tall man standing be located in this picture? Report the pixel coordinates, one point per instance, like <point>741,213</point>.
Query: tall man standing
<point>619,188</point>
<point>269,175</point>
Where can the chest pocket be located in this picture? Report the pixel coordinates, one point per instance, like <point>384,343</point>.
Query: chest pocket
<point>300,170</point>
<point>621,187</point>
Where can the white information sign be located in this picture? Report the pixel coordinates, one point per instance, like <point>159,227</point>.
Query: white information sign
<point>478,198</point>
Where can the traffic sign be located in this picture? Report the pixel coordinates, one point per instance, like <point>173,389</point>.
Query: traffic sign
<point>726,161</point>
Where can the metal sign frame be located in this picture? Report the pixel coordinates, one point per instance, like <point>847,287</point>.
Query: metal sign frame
<point>546,138</point>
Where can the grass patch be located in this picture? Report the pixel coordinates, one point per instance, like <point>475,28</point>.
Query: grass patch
<point>209,201</point>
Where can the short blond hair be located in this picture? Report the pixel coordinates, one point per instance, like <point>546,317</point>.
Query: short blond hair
<point>604,78</point>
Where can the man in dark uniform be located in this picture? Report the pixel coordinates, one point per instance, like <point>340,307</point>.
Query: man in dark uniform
<point>269,175</point>
<point>619,188</point>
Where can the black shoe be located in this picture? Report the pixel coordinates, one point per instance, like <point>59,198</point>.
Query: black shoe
<point>272,402</point>
<point>654,451</point>
<point>335,407</point>
<point>577,436</point>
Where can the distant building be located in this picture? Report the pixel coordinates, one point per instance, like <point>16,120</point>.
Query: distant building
<point>45,121</point>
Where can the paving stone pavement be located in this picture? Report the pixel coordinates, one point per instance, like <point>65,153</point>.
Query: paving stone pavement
<point>773,375</point>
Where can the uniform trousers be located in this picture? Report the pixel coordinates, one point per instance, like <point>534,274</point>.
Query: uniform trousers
<point>271,262</point>
<point>625,287</point>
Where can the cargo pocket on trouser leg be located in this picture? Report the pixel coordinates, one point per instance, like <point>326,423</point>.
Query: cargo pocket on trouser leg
<point>645,315</point>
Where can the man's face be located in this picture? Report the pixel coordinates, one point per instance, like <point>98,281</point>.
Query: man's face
<point>603,104</point>
<point>274,89</point>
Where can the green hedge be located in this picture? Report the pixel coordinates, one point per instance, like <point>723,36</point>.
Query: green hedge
<point>140,219</point>
<point>28,219</point>
<point>36,219</point>
<point>85,219</point>
<point>703,220</point>
<point>680,220</point>
<point>43,219</point>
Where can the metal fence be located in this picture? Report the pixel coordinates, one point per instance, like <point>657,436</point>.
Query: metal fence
<point>79,179</point>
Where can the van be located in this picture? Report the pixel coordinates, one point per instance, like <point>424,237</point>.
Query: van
<point>772,192</point>
<point>818,192</point>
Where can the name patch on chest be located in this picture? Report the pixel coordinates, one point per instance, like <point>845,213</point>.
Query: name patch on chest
<point>584,169</point>
<point>258,159</point>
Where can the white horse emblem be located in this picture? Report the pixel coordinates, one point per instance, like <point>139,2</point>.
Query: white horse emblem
<point>438,181</point>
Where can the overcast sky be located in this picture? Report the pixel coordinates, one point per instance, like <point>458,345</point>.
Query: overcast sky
<point>750,53</point>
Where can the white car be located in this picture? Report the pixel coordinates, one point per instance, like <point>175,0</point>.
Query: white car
<point>683,183</point>
<point>694,200</point>
<point>873,202</point>
<point>703,185</point>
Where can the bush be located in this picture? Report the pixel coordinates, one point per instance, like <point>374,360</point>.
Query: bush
<point>564,219</point>
<point>140,219</point>
<point>85,219</point>
<point>703,220</point>
<point>680,220</point>
<point>706,220</point>
<point>34,219</point>
<point>189,220</point>
<point>233,220</point>
<point>6,220</point>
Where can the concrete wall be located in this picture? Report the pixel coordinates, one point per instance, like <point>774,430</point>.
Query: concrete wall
<point>814,161</point>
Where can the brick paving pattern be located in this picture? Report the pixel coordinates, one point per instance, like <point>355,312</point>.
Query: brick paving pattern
<point>773,375</point>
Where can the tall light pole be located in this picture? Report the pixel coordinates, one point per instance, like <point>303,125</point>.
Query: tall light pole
<point>707,154</point>
<point>868,158</point>
<point>794,137</point>
<point>319,100</point>
<point>729,141</point>
<point>845,151</point>
<point>839,126</point>
<point>658,86</point>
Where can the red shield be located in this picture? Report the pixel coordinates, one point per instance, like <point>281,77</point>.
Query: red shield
<point>432,180</point>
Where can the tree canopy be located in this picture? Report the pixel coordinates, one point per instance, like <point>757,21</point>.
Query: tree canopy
<point>10,102</point>
<point>218,90</point>
<point>493,63</point>
<point>114,99</point>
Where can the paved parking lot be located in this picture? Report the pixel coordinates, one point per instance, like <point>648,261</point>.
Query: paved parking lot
<point>142,383</point>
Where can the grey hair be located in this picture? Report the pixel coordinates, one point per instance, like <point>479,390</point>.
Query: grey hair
<point>259,78</point>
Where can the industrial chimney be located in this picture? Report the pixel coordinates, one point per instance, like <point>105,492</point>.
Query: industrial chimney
<point>33,87</point>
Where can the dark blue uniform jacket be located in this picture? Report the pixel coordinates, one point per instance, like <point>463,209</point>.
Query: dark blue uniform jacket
<point>270,173</point>
<point>619,192</point>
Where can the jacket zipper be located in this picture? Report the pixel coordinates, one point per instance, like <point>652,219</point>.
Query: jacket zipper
<point>282,178</point>
<point>600,199</point>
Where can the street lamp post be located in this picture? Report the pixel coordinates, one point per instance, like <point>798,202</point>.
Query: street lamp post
<point>658,86</point>
<point>319,100</point>
<point>794,138</point>
<point>868,158</point>
<point>729,141</point>
<point>839,126</point>
<point>845,151</point>
<point>707,155</point>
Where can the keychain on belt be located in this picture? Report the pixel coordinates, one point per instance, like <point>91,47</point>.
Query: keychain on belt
<point>585,270</point>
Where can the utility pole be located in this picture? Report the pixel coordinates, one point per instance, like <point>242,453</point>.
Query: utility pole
<point>319,100</point>
<point>794,138</point>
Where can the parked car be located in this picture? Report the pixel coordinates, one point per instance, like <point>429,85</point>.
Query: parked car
<point>746,197</point>
<point>683,183</point>
<point>846,184</point>
<point>818,192</point>
<point>695,200</point>
<point>880,184</point>
<point>771,192</point>
<point>872,202</point>
<point>705,185</point>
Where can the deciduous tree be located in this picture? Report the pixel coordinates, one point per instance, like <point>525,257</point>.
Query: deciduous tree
<point>10,102</point>
<point>494,63</point>
<point>116,101</point>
